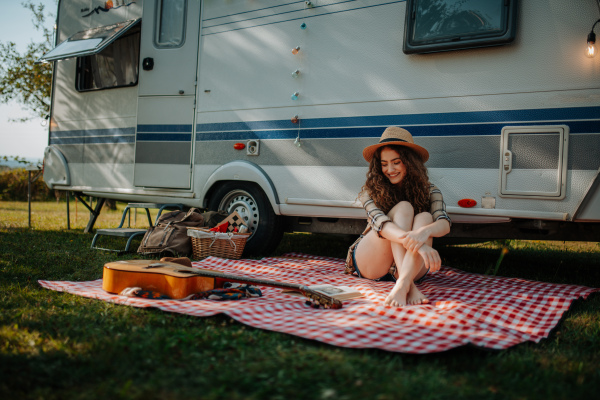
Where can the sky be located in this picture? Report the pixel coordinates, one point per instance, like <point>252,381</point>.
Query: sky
<point>22,139</point>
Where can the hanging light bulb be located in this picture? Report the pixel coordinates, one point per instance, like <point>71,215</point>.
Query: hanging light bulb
<point>591,49</point>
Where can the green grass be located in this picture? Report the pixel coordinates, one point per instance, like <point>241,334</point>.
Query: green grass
<point>60,346</point>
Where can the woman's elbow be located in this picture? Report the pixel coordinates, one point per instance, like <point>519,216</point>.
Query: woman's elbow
<point>446,227</point>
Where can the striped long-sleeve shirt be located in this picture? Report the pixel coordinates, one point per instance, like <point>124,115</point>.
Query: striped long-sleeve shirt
<point>377,218</point>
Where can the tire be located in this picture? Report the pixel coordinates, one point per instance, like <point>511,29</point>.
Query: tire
<point>252,204</point>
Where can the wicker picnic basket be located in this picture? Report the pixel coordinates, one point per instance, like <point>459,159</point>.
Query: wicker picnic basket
<point>206,243</point>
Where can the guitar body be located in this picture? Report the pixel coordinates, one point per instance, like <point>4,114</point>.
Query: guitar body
<point>168,278</point>
<point>178,281</point>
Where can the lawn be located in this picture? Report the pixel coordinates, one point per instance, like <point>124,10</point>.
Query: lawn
<point>59,346</point>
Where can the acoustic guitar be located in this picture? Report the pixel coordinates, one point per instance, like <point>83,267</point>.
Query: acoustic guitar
<point>178,281</point>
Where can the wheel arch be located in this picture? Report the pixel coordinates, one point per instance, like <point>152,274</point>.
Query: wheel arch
<point>56,168</point>
<point>241,171</point>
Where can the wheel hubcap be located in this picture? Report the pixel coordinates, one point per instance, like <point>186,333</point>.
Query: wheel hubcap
<point>241,202</point>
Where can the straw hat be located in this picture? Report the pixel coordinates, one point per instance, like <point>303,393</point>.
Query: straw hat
<point>395,136</point>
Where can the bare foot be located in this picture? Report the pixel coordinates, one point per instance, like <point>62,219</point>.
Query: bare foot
<point>415,296</point>
<point>397,297</point>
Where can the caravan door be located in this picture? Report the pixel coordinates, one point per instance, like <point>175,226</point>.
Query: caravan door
<point>167,94</point>
<point>533,161</point>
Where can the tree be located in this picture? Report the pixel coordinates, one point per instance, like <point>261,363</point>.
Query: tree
<point>22,78</point>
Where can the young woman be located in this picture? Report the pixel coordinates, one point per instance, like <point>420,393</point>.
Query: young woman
<point>405,212</point>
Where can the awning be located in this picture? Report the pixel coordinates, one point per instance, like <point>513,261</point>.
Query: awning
<point>89,42</point>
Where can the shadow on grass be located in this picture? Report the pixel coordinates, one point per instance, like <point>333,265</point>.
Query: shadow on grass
<point>547,265</point>
<point>55,345</point>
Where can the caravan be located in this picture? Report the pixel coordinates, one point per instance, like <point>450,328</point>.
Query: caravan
<point>264,107</point>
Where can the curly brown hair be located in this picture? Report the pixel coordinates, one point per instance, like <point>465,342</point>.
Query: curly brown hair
<point>414,188</point>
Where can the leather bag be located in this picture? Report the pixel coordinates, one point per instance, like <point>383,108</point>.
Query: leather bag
<point>169,234</point>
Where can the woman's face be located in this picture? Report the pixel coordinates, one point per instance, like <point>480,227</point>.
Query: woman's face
<point>391,165</point>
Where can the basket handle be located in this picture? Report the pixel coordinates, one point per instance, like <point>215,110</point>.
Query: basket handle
<point>223,235</point>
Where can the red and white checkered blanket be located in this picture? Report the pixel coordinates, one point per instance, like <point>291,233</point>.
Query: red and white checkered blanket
<point>465,308</point>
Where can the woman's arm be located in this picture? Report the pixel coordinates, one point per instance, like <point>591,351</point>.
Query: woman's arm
<point>415,241</point>
<point>438,228</point>
<point>417,238</point>
<point>393,232</point>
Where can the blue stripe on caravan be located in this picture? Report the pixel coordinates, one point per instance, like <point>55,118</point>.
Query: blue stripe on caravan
<point>360,132</point>
<point>579,120</point>
<point>93,136</point>
<point>164,137</point>
<point>110,139</point>
<point>164,128</point>
<point>93,132</point>
<point>93,140</point>
<point>502,116</point>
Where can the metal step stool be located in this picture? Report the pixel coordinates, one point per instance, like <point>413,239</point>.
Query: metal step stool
<point>128,232</point>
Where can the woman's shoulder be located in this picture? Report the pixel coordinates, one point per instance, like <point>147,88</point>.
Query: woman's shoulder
<point>364,196</point>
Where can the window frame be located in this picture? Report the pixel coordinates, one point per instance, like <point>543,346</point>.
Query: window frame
<point>135,30</point>
<point>91,36</point>
<point>483,39</point>
<point>157,20</point>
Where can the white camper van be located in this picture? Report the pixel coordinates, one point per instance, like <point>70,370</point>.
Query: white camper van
<point>264,107</point>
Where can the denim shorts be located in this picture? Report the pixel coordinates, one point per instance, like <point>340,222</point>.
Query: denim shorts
<point>385,278</point>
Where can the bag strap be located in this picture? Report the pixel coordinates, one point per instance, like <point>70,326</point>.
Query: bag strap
<point>166,216</point>
<point>165,233</point>
<point>189,213</point>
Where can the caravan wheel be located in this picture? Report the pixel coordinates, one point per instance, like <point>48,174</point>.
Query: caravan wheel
<point>254,207</point>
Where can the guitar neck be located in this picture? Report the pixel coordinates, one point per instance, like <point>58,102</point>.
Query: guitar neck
<point>243,279</point>
<point>319,298</point>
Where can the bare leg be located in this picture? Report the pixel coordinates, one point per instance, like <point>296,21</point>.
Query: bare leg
<point>415,296</point>
<point>375,255</point>
<point>410,266</point>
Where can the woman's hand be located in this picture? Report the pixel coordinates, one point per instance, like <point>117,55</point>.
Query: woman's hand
<point>414,240</point>
<point>431,258</point>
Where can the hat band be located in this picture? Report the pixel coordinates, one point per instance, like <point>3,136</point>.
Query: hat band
<point>392,140</point>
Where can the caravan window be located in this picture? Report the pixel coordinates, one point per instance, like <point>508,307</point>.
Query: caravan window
<point>170,23</point>
<point>115,66</point>
<point>441,25</point>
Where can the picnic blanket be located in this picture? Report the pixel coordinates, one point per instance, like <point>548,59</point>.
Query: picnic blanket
<point>465,308</point>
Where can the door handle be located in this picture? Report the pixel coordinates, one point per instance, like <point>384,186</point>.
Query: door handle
<point>507,161</point>
<point>148,63</point>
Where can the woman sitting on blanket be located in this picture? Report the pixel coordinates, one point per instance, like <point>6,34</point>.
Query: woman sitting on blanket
<point>404,212</point>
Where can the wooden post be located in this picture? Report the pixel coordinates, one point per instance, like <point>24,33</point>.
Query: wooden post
<point>30,169</point>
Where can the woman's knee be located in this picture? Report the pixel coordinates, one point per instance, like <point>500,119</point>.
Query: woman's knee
<point>423,219</point>
<point>403,210</point>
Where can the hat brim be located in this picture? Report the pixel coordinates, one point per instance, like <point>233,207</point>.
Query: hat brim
<point>369,151</point>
